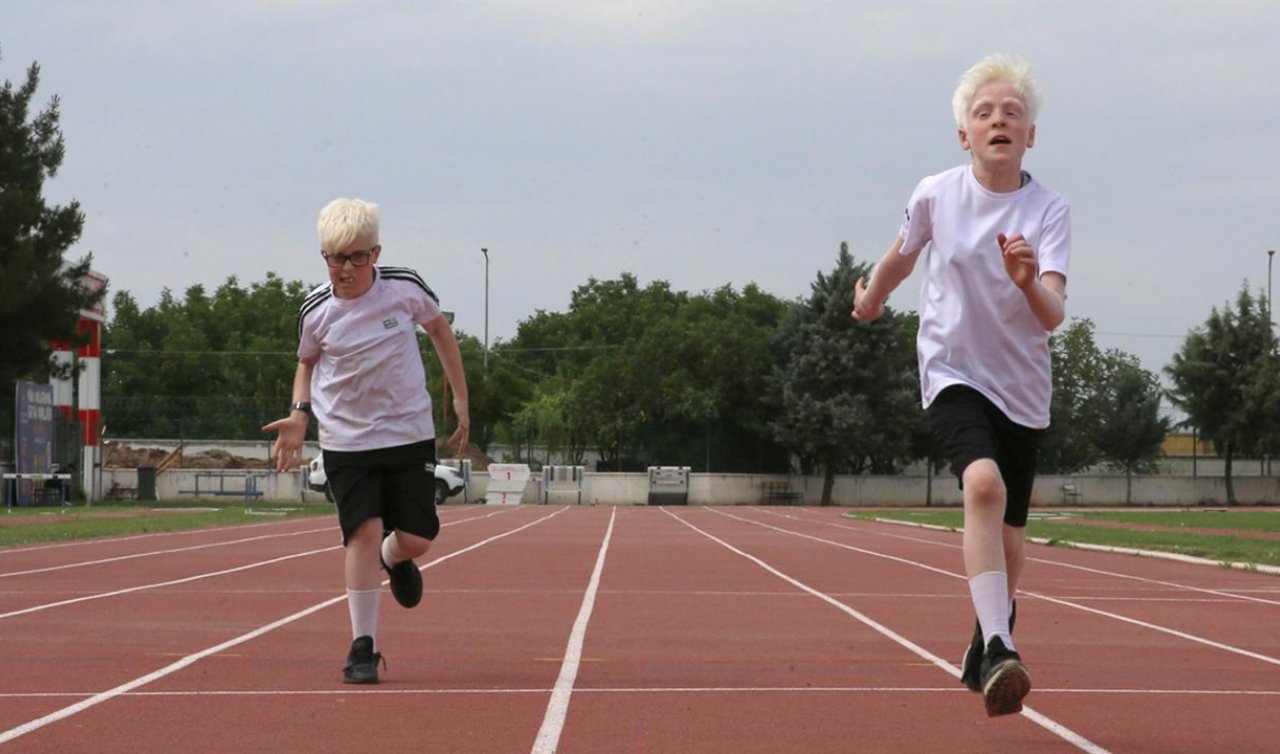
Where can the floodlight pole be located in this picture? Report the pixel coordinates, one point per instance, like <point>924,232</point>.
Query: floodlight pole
<point>1271,255</point>
<point>486,309</point>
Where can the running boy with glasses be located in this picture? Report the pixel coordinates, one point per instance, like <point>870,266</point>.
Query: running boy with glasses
<point>360,373</point>
<point>996,246</point>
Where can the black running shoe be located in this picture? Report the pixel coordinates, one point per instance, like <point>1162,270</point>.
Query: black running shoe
<point>971,665</point>
<point>1005,682</point>
<point>406,582</point>
<point>362,662</point>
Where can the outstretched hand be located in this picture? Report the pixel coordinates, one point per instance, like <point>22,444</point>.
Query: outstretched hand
<point>287,449</point>
<point>1019,259</point>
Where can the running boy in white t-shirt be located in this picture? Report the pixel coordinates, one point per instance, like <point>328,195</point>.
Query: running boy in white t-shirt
<point>996,245</point>
<point>360,373</point>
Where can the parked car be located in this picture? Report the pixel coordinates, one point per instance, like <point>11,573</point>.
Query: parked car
<point>449,481</point>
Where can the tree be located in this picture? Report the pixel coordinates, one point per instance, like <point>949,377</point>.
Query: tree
<point>1224,379</point>
<point>648,375</point>
<point>216,366</point>
<point>846,393</point>
<point>1132,436</point>
<point>1079,377</point>
<point>40,294</point>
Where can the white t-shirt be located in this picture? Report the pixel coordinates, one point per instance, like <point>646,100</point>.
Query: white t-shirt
<point>368,388</point>
<point>976,327</point>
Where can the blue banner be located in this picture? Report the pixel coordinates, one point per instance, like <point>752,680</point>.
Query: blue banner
<point>34,436</point>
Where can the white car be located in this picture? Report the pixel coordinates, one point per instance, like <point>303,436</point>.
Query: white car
<point>449,481</point>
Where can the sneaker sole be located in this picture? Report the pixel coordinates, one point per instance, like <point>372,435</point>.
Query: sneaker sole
<point>1008,686</point>
<point>410,594</point>
<point>360,679</point>
<point>971,663</point>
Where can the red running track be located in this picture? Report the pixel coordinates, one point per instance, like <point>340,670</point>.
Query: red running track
<point>644,629</point>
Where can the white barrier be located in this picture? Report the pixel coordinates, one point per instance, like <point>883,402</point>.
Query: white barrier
<point>506,483</point>
<point>562,479</point>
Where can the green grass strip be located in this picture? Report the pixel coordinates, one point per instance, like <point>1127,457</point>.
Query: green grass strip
<point>27,526</point>
<point>1222,548</point>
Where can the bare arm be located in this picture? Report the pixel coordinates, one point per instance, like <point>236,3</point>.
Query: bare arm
<point>893,268</point>
<point>292,429</point>
<point>446,345</point>
<point>1046,294</point>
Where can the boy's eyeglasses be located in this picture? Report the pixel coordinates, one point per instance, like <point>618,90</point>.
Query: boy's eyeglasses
<point>356,258</point>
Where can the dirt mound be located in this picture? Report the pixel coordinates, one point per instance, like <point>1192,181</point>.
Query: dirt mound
<point>118,455</point>
<point>121,456</point>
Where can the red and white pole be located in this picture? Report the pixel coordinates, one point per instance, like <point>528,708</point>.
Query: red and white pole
<point>64,393</point>
<point>90,402</point>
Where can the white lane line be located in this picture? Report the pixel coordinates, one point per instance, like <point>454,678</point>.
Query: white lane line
<point>101,561</point>
<point>191,659</point>
<point>184,532</point>
<point>1157,554</point>
<point>1048,724</point>
<point>638,690</point>
<point>153,535</point>
<point>1237,595</point>
<point>548,738</point>
<point>197,577</point>
<point>1038,595</point>
<point>162,584</point>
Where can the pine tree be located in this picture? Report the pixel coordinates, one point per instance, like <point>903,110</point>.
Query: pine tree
<point>40,294</point>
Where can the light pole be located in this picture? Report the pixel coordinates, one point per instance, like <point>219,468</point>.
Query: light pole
<point>486,309</point>
<point>1271,255</point>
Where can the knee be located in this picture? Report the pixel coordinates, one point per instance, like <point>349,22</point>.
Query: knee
<point>411,545</point>
<point>982,481</point>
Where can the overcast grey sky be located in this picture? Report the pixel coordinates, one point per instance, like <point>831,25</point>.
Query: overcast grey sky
<point>704,143</point>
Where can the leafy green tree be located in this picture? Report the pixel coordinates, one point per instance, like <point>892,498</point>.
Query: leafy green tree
<point>1132,436</point>
<point>1224,379</point>
<point>215,366</point>
<point>40,294</point>
<point>847,393</point>
<point>651,375</point>
<point>1079,377</point>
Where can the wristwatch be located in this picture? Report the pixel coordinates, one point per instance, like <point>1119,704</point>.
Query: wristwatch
<point>303,406</point>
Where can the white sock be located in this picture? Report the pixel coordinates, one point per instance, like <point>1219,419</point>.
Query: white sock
<point>387,557</point>
<point>363,606</point>
<point>990,593</point>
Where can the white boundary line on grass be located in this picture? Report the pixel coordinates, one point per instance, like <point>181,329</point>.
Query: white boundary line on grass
<point>1048,724</point>
<point>189,548</point>
<point>1237,595</point>
<point>1237,565</point>
<point>191,659</point>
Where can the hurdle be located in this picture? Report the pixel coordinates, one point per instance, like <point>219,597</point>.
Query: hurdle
<point>12,481</point>
<point>562,479</point>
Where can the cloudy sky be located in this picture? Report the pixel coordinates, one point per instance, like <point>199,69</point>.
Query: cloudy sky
<point>704,142</point>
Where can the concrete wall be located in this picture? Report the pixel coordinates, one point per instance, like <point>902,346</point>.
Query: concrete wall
<point>740,489</point>
<point>730,489</point>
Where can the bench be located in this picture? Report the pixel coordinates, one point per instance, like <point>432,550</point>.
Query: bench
<point>779,493</point>
<point>248,489</point>
<point>1071,494</point>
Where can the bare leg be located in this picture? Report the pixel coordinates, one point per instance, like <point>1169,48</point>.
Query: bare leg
<point>363,568</point>
<point>1015,556</point>
<point>984,501</point>
<point>984,550</point>
<point>406,546</point>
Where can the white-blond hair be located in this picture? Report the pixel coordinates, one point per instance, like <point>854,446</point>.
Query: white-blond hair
<point>1000,67</point>
<point>343,221</point>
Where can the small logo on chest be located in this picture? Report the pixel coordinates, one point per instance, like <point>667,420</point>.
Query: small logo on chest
<point>390,323</point>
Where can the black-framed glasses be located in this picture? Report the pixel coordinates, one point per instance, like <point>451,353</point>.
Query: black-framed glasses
<point>356,258</point>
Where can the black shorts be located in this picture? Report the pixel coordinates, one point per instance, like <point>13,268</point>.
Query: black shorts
<point>968,426</point>
<point>395,484</point>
